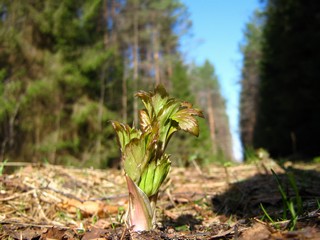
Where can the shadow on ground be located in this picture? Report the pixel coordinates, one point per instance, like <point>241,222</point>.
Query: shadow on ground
<point>183,221</point>
<point>243,198</point>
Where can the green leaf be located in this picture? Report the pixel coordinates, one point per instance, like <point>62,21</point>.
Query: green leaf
<point>159,99</point>
<point>135,158</point>
<point>124,133</point>
<point>154,101</point>
<point>146,183</point>
<point>161,172</point>
<point>186,120</point>
<point>146,99</point>
<point>154,175</point>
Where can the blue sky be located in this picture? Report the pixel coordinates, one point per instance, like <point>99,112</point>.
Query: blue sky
<point>217,32</point>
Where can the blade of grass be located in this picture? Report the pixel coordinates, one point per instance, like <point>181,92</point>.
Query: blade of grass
<point>266,214</point>
<point>2,165</point>
<point>293,184</point>
<point>293,221</point>
<point>283,194</point>
<point>288,204</point>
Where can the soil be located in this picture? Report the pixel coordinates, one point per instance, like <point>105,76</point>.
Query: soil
<point>212,202</point>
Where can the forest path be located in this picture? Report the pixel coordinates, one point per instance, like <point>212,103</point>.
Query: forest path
<point>214,202</point>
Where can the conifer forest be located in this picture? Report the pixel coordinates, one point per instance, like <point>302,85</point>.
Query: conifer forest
<point>69,67</point>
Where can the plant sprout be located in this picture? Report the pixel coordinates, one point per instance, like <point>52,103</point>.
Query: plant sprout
<point>145,162</point>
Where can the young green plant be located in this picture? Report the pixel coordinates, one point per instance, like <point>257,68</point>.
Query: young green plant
<point>2,165</point>
<point>289,204</point>
<point>145,162</point>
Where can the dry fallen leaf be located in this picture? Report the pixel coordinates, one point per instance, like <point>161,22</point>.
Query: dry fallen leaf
<point>89,208</point>
<point>258,232</point>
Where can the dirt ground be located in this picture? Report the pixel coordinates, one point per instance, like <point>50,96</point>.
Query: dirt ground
<point>213,202</point>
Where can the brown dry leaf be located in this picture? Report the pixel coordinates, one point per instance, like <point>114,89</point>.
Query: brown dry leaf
<point>102,223</point>
<point>95,233</point>
<point>28,169</point>
<point>310,233</point>
<point>181,200</point>
<point>53,233</point>
<point>223,234</point>
<point>89,208</point>
<point>111,209</point>
<point>171,214</point>
<point>28,233</point>
<point>258,232</point>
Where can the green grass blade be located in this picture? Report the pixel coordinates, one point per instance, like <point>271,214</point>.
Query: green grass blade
<point>293,184</point>
<point>266,214</point>
<point>294,219</point>
<point>2,165</point>
<point>283,195</point>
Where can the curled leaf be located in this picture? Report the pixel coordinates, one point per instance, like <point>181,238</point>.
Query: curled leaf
<point>124,133</point>
<point>154,101</point>
<point>186,120</point>
<point>140,213</point>
<point>145,121</point>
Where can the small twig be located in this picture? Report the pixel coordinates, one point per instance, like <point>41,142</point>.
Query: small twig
<point>35,194</point>
<point>259,221</point>
<point>20,164</point>
<point>191,194</point>
<point>170,197</point>
<point>67,195</point>
<point>110,197</point>
<point>223,234</point>
<point>196,165</point>
<point>16,195</point>
<point>32,224</point>
<point>48,197</point>
<point>123,233</point>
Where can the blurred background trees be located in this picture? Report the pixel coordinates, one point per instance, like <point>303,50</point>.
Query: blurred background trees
<point>281,112</point>
<point>250,78</point>
<point>67,67</point>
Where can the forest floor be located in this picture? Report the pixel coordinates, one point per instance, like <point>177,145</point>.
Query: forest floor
<point>215,202</point>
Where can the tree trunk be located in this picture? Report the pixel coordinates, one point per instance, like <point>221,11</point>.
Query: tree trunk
<point>104,22</point>
<point>156,56</point>
<point>124,99</point>
<point>100,115</point>
<point>58,114</point>
<point>135,66</point>
<point>211,121</point>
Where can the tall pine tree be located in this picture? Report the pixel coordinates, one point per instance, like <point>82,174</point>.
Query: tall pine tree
<point>250,78</point>
<point>289,110</point>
